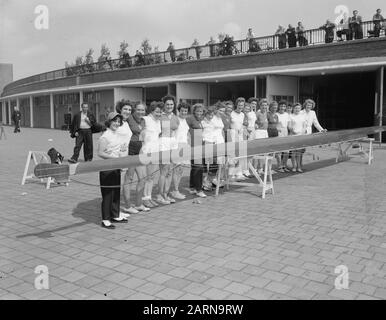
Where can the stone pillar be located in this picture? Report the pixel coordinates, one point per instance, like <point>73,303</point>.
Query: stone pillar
<point>31,110</point>
<point>52,111</point>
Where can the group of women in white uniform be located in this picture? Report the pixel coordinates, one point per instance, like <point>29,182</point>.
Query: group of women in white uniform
<point>135,129</point>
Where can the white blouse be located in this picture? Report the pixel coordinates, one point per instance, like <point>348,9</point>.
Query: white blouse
<point>298,124</point>
<point>311,119</point>
<point>124,134</point>
<point>182,131</point>
<point>213,130</point>
<point>251,120</point>
<point>237,121</point>
<point>151,134</point>
<point>113,143</point>
<point>284,119</point>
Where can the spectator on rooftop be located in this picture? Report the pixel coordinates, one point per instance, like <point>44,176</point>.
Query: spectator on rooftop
<point>328,27</point>
<point>378,21</point>
<point>355,23</point>
<point>291,36</point>
<point>343,28</point>
<point>171,51</point>
<point>197,47</point>
<point>300,34</point>
<point>280,32</point>
<point>212,47</point>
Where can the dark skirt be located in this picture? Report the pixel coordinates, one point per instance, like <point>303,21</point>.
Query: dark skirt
<point>134,147</point>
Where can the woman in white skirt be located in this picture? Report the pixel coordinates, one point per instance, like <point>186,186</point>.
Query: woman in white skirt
<point>298,126</point>
<point>167,142</point>
<point>182,140</point>
<point>282,128</point>
<point>150,137</point>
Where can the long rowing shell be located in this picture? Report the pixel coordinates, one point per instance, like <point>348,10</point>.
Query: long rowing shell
<point>245,148</point>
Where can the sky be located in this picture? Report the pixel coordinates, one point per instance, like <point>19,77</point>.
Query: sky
<point>74,26</point>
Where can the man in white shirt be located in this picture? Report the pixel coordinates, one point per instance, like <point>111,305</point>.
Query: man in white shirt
<point>81,130</point>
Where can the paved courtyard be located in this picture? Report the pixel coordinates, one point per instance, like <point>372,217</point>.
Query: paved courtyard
<point>235,246</point>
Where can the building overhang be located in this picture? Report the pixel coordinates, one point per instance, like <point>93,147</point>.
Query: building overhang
<point>299,70</point>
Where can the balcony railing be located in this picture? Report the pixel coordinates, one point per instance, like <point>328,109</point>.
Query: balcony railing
<point>267,43</point>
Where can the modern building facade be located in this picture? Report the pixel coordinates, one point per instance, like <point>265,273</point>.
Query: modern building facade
<point>346,79</point>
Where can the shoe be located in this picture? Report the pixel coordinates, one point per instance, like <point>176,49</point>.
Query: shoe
<point>72,160</point>
<point>207,188</point>
<point>178,195</point>
<point>300,170</point>
<point>161,200</point>
<point>293,169</point>
<point>192,191</point>
<point>281,170</point>
<point>246,174</point>
<point>124,215</point>
<point>154,203</point>
<point>240,177</point>
<point>147,203</point>
<point>111,226</point>
<point>123,220</point>
<point>260,171</point>
<point>130,210</point>
<point>201,194</point>
<point>170,199</point>
<point>142,208</point>
<point>286,169</point>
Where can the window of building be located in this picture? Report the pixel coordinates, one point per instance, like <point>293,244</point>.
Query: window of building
<point>289,99</point>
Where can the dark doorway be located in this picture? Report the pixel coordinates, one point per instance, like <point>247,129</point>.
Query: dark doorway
<point>231,90</point>
<point>342,101</point>
<point>155,94</point>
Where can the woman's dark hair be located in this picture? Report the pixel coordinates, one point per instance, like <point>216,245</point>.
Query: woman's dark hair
<point>238,100</point>
<point>120,104</point>
<point>108,122</point>
<point>183,105</point>
<point>154,105</point>
<point>283,102</point>
<point>250,100</point>
<point>264,100</point>
<point>209,109</point>
<point>169,97</point>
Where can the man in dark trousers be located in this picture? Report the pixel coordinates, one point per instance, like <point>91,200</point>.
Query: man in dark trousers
<point>80,129</point>
<point>16,118</point>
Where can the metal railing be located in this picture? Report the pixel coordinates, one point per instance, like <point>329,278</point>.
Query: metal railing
<point>259,44</point>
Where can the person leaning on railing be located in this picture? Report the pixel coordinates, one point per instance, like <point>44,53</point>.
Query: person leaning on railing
<point>343,28</point>
<point>291,36</point>
<point>280,32</point>
<point>378,21</point>
<point>355,23</point>
<point>300,34</point>
<point>328,27</point>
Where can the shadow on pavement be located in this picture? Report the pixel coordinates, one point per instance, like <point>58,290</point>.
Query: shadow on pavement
<point>89,211</point>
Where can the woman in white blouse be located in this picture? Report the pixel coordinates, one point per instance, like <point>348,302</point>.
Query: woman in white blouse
<point>282,128</point>
<point>110,147</point>
<point>182,139</point>
<point>310,116</point>
<point>240,171</point>
<point>298,126</point>
<point>212,133</point>
<point>150,137</point>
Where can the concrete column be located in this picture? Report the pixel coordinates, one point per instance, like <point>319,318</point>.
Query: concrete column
<point>378,106</point>
<point>52,111</point>
<point>9,113</point>
<point>3,112</point>
<point>80,99</point>
<point>31,110</point>
<point>207,93</point>
<point>255,86</point>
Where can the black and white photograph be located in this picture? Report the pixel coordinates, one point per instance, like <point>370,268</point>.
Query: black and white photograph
<point>199,156</point>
